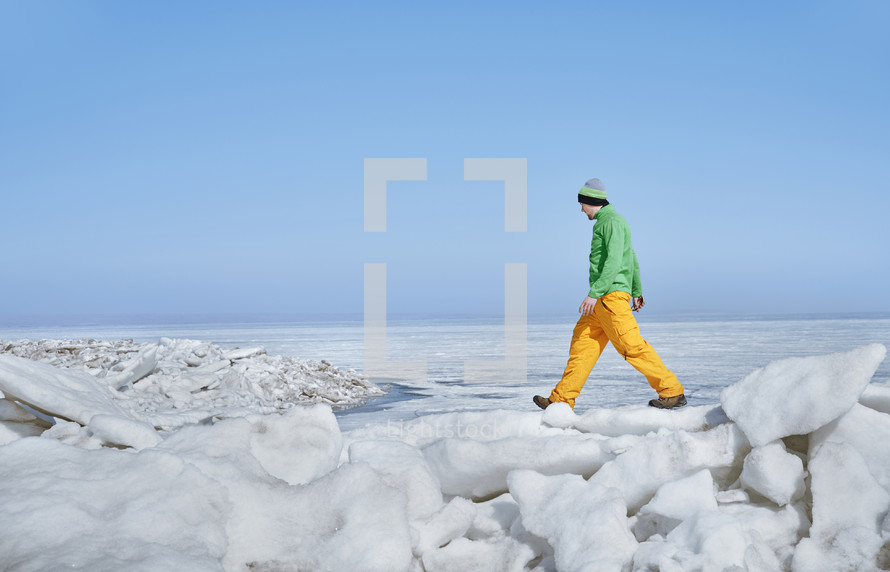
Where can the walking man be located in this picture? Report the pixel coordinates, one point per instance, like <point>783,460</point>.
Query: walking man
<point>606,311</point>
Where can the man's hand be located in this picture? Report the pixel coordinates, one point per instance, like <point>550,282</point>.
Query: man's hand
<point>638,304</point>
<point>587,306</point>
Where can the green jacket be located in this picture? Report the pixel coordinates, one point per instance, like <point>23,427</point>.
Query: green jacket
<point>613,263</point>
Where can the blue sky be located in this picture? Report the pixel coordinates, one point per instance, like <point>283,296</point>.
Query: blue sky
<point>185,158</point>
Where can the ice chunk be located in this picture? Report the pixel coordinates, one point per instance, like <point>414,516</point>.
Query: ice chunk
<point>297,446</point>
<point>451,522</point>
<point>877,397</point>
<point>682,498</point>
<point>674,502</point>
<point>404,468</point>
<point>711,540</point>
<point>70,394</point>
<point>559,415</point>
<point>478,469</point>
<point>143,364</point>
<point>849,507</point>
<point>662,458</point>
<point>214,366</point>
<point>740,538</point>
<point>867,431</point>
<point>771,471</point>
<point>732,496</point>
<point>13,412</point>
<point>16,423</point>
<point>796,396</point>
<point>12,431</point>
<point>778,529</point>
<point>656,554</point>
<point>494,517</point>
<point>117,430</point>
<point>241,353</point>
<point>73,434</point>
<point>585,523</point>
<point>107,510</point>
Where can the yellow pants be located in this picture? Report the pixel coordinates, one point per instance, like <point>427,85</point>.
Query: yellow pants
<point>612,321</point>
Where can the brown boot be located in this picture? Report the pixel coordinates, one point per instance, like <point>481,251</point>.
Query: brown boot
<point>541,402</point>
<point>669,402</point>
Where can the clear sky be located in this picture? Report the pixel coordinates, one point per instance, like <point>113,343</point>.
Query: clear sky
<point>202,157</point>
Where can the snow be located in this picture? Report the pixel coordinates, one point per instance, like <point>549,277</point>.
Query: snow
<point>182,455</point>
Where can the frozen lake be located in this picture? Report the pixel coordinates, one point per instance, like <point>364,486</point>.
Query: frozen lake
<point>706,354</point>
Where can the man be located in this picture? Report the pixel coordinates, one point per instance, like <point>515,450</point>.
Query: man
<point>606,313</point>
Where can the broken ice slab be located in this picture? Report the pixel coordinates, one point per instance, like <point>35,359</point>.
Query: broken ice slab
<point>238,353</point>
<point>140,366</point>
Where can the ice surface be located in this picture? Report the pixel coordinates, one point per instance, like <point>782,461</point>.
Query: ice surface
<point>288,488</point>
<point>798,395</point>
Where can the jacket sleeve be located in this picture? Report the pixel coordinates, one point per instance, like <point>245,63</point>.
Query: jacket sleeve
<point>636,287</point>
<point>613,237</point>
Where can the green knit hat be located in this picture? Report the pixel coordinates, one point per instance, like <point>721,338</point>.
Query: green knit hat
<point>592,189</point>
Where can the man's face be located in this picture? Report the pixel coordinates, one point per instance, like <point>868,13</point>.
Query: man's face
<point>589,210</point>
